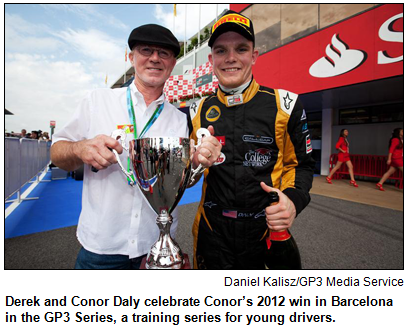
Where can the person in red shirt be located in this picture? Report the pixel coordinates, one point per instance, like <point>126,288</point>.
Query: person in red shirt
<point>343,156</point>
<point>395,156</point>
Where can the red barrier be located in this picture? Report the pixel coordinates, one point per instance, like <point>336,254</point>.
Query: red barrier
<point>366,166</point>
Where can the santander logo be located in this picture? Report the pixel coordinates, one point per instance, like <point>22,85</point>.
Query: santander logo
<point>339,60</point>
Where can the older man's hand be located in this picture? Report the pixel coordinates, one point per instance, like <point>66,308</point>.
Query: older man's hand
<point>96,151</point>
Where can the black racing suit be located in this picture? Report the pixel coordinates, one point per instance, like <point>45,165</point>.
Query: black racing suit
<point>265,139</point>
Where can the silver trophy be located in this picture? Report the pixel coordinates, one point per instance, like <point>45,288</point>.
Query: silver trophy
<point>162,170</point>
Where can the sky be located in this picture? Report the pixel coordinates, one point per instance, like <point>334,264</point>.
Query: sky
<point>56,53</point>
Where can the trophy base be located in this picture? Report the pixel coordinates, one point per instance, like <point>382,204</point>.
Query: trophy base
<point>185,266</point>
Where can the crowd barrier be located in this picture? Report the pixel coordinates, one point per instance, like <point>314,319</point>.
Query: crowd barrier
<point>366,166</point>
<point>24,160</point>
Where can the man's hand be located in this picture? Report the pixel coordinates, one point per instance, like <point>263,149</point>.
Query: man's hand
<point>97,151</point>
<point>280,216</point>
<point>208,151</point>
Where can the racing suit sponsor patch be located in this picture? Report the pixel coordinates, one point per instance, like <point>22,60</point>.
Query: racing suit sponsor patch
<point>303,117</point>
<point>220,160</point>
<point>257,158</point>
<point>260,214</point>
<point>243,214</point>
<point>308,144</point>
<point>257,139</point>
<point>213,114</point>
<point>194,107</point>
<point>221,139</point>
<point>235,100</point>
<point>287,100</point>
<point>209,204</point>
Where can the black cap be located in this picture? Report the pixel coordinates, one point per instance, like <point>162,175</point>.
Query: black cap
<point>232,21</point>
<point>153,34</point>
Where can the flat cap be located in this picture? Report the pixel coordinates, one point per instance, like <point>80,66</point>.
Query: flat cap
<point>232,21</point>
<point>153,34</point>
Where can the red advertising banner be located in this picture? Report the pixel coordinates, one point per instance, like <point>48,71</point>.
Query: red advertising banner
<point>363,48</point>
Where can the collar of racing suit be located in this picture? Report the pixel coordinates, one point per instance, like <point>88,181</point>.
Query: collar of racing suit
<point>233,91</point>
<point>248,94</point>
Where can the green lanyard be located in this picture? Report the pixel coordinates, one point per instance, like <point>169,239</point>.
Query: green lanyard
<point>132,118</point>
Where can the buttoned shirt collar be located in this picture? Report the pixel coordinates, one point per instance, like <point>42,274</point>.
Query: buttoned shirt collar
<point>137,98</point>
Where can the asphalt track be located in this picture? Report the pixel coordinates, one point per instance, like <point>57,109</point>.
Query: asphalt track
<point>331,233</point>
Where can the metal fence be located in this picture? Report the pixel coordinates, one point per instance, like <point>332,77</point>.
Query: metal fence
<point>365,165</point>
<point>24,159</point>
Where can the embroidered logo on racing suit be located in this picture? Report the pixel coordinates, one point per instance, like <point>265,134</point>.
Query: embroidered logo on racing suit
<point>303,117</point>
<point>260,214</point>
<point>235,100</point>
<point>209,204</point>
<point>221,139</point>
<point>257,158</point>
<point>245,214</point>
<point>213,113</point>
<point>287,101</point>
<point>308,144</point>
<point>220,160</point>
<point>193,107</point>
<point>257,139</point>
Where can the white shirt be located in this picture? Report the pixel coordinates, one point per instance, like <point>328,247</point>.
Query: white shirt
<point>115,217</point>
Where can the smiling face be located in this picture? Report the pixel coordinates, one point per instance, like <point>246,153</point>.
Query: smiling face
<point>232,57</point>
<point>153,70</point>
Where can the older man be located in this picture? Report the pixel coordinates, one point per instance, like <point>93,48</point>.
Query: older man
<point>117,227</point>
<point>265,141</point>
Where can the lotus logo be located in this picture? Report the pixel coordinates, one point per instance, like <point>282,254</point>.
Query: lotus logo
<point>339,60</point>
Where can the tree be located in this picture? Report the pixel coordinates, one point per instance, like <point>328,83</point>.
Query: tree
<point>194,41</point>
<point>206,33</point>
<point>181,54</point>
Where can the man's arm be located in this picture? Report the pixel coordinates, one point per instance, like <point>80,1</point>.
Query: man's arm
<point>95,152</point>
<point>298,162</point>
<point>297,175</point>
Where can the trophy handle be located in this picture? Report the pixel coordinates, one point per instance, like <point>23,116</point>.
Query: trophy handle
<point>120,135</point>
<point>198,171</point>
<point>201,133</point>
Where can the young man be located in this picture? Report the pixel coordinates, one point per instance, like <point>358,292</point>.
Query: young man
<point>117,227</point>
<point>265,149</point>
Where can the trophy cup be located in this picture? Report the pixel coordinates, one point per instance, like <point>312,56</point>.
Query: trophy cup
<point>162,171</point>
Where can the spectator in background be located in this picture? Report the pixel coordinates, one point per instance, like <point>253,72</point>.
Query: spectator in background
<point>343,156</point>
<point>34,134</point>
<point>395,156</point>
<point>45,136</point>
<point>23,133</point>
